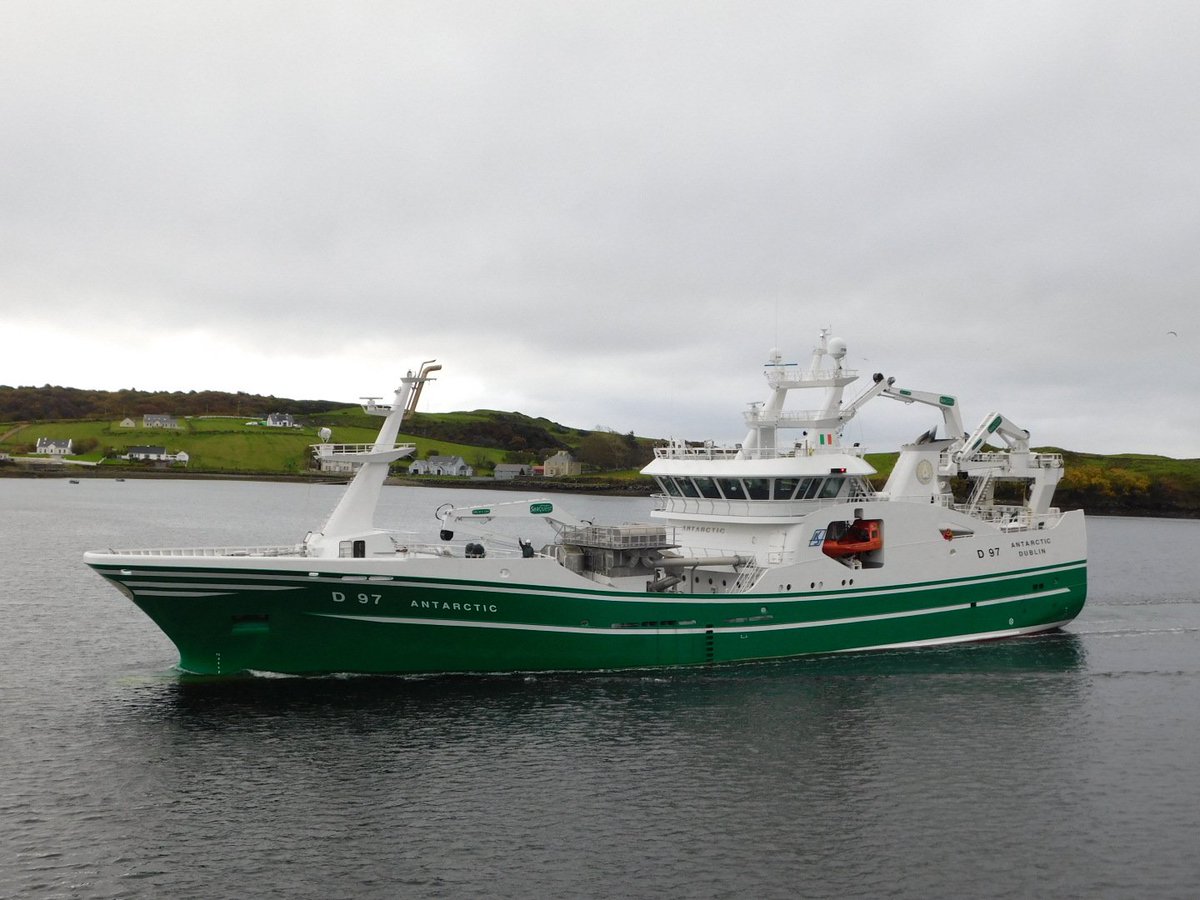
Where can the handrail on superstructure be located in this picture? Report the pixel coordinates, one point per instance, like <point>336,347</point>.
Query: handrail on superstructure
<point>783,375</point>
<point>687,452</point>
<point>331,450</point>
<point>797,418</point>
<point>1038,460</point>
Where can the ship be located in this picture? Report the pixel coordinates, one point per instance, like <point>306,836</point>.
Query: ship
<point>776,547</point>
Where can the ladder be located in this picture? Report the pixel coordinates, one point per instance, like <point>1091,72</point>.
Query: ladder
<point>747,578</point>
<point>982,485</point>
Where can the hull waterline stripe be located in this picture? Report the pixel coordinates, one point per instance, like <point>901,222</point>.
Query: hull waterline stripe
<point>642,632</point>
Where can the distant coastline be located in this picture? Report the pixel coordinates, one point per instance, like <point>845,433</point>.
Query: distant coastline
<point>640,487</point>
<point>224,440</point>
<point>1184,505</point>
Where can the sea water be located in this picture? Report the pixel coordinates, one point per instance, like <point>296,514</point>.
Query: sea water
<point>1065,765</point>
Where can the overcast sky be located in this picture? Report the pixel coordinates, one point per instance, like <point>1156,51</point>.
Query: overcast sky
<point>608,213</point>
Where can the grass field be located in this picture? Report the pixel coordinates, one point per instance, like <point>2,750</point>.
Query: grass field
<point>224,444</point>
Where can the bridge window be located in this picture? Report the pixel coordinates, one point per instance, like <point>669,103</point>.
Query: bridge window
<point>686,487</point>
<point>668,485</point>
<point>708,488</point>
<point>808,489</point>
<point>732,488</point>
<point>830,488</point>
<point>758,488</point>
<point>785,487</point>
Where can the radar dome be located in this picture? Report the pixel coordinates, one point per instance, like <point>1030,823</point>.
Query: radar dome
<point>324,434</point>
<point>837,348</point>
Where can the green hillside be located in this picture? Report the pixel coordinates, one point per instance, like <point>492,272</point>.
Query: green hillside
<point>1130,484</point>
<point>223,444</point>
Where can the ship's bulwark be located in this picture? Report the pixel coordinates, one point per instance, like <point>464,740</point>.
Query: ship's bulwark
<point>235,620</point>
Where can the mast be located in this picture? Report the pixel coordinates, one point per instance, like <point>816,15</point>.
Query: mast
<point>354,515</point>
<point>767,417</point>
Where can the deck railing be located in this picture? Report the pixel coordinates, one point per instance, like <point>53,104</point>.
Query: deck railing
<point>619,537</point>
<point>292,550</point>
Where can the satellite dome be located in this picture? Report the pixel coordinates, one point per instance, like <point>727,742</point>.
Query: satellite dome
<point>837,348</point>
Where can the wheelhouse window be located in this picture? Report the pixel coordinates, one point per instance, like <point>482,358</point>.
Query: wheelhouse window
<point>785,488</point>
<point>758,488</point>
<point>732,488</point>
<point>668,485</point>
<point>831,487</point>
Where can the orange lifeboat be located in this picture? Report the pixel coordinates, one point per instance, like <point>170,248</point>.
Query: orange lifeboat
<point>863,536</point>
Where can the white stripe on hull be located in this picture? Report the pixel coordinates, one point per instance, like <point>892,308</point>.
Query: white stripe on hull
<point>742,628</point>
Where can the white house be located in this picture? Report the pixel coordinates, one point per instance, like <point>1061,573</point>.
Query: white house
<point>156,420</point>
<point>442,465</point>
<point>329,460</point>
<point>156,454</point>
<point>281,420</point>
<point>127,422</point>
<point>562,464</point>
<point>340,466</point>
<point>508,471</point>
<point>52,447</point>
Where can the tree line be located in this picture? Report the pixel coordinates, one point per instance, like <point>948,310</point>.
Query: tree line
<point>51,403</point>
<point>1114,490</point>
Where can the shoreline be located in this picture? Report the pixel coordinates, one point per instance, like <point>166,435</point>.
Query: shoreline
<point>523,485</point>
<point>526,485</point>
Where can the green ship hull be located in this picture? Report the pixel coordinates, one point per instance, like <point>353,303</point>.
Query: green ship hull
<point>226,621</point>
